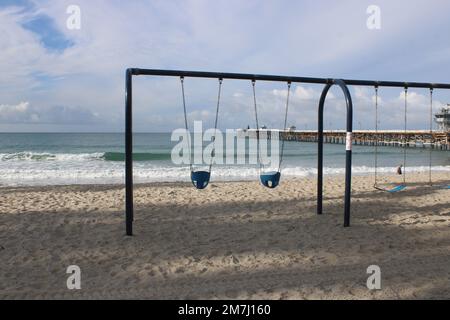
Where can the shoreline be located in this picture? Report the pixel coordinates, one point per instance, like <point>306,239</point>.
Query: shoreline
<point>381,175</point>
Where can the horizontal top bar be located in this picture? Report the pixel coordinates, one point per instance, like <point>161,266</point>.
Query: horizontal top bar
<point>261,77</point>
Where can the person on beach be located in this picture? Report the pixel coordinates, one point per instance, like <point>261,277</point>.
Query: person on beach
<point>399,169</point>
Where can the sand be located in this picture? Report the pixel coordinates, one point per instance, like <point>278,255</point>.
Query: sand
<point>234,240</point>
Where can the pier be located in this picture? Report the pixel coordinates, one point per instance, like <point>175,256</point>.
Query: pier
<point>439,140</point>
<point>393,138</point>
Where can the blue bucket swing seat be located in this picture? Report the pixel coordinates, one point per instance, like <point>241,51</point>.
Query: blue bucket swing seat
<point>200,178</point>
<point>270,179</point>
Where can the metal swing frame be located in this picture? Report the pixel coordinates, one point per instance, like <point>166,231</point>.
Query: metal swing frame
<point>328,82</point>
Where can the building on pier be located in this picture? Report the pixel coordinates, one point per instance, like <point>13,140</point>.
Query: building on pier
<point>442,118</point>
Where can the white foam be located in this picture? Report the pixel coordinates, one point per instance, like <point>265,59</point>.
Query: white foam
<point>113,173</point>
<point>44,156</point>
<point>34,168</point>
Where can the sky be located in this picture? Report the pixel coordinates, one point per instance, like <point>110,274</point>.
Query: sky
<point>60,79</point>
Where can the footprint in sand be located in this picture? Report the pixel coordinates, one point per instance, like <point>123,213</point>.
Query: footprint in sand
<point>180,270</point>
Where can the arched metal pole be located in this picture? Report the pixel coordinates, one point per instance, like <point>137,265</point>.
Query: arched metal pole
<point>348,155</point>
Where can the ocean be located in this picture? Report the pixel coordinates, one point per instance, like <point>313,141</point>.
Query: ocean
<point>30,159</point>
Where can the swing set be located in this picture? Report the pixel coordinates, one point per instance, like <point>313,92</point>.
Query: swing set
<point>270,179</point>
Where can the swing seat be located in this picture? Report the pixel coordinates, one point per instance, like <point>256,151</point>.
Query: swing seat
<point>270,179</point>
<point>200,179</point>
<point>397,188</point>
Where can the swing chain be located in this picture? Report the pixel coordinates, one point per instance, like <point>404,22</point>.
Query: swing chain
<point>257,126</point>
<point>213,150</point>
<point>431,110</point>
<point>376,136</point>
<point>254,101</point>
<point>186,122</point>
<point>404,136</point>
<point>285,124</point>
<point>431,138</point>
<point>188,135</point>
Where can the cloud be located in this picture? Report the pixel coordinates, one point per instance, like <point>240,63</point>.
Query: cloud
<point>391,111</point>
<point>24,113</point>
<point>305,38</point>
<point>16,113</point>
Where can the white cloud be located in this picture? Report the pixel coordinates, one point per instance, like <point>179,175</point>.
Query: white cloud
<point>391,110</point>
<point>15,113</point>
<point>23,113</point>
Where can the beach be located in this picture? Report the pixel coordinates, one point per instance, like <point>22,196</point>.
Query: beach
<point>233,240</point>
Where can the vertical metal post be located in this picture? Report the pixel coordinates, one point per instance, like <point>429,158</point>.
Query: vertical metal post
<point>348,152</point>
<point>128,154</point>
